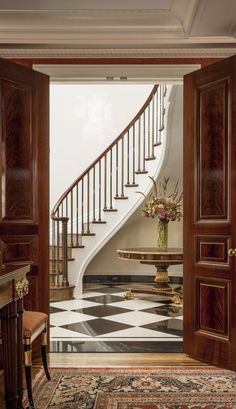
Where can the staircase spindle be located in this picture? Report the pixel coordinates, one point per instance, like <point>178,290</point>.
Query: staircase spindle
<point>133,154</point>
<point>65,282</point>
<point>71,218</point>
<point>159,114</point>
<point>153,122</point>
<point>122,167</point>
<point>128,182</point>
<point>139,145</point>
<point>88,204</point>
<point>144,143</point>
<point>157,119</point>
<point>77,214</point>
<point>94,196</point>
<point>58,254</point>
<point>66,205</point>
<point>105,182</point>
<point>117,169</point>
<point>61,210</point>
<point>162,107</point>
<point>111,179</point>
<point>161,123</point>
<point>149,130</point>
<point>99,193</point>
<point>82,206</point>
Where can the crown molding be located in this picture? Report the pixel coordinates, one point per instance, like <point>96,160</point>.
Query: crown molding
<point>203,52</point>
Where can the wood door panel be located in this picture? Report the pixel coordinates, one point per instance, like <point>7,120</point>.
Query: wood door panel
<point>209,213</point>
<point>24,168</point>
<point>212,251</point>
<point>217,352</point>
<point>212,307</point>
<point>212,150</point>
<point>19,249</point>
<point>18,153</point>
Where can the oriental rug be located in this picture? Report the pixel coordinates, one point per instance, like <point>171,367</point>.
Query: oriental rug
<point>136,388</point>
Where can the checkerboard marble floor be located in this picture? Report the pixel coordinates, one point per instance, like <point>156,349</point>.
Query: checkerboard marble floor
<point>103,321</point>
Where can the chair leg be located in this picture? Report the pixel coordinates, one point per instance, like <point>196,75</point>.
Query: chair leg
<point>44,353</point>
<point>28,375</point>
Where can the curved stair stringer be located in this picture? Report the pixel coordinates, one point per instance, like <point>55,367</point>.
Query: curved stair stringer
<point>125,208</point>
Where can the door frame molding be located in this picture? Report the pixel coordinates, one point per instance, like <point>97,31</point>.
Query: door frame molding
<point>116,73</point>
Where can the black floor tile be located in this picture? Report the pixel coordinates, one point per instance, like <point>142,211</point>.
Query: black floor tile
<point>116,346</point>
<point>171,326</point>
<point>55,309</point>
<point>96,327</point>
<point>111,290</point>
<point>105,299</point>
<point>166,310</point>
<point>102,310</point>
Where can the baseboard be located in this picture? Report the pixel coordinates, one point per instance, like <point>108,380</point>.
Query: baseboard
<point>123,279</point>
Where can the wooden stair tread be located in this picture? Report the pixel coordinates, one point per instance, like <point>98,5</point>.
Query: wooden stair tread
<point>60,259</point>
<point>150,158</point>
<point>131,185</point>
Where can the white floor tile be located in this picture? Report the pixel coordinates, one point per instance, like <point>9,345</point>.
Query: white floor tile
<point>73,304</point>
<point>136,304</point>
<point>136,318</point>
<point>68,317</point>
<point>58,332</point>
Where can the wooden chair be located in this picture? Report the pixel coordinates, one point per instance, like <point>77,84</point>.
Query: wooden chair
<point>34,324</point>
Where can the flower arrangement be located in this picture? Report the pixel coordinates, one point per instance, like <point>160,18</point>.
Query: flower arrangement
<point>163,206</point>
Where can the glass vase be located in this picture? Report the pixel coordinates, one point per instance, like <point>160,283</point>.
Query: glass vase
<point>162,235</point>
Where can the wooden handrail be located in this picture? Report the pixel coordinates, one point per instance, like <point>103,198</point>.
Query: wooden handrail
<point>119,137</point>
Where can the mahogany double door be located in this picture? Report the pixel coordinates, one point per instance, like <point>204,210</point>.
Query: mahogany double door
<point>209,198</point>
<point>210,214</point>
<point>24,176</point>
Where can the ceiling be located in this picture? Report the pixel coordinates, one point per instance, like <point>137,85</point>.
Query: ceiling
<point>162,28</point>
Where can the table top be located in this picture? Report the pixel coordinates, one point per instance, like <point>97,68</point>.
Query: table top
<point>11,271</point>
<point>152,255</point>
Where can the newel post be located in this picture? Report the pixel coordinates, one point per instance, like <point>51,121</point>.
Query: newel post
<point>65,282</point>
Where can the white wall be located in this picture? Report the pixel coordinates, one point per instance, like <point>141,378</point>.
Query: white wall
<point>139,231</point>
<point>84,120</point>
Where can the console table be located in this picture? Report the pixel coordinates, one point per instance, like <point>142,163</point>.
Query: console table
<point>13,287</point>
<point>161,260</point>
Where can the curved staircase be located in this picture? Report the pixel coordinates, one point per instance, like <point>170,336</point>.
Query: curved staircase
<point>105,195</point>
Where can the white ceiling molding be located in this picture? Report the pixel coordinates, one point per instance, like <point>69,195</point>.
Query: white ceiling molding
<point>117,24</point>
<point>88,27</point>
<point>87,5</point>
<point>218,52</point>
<point>116,73</point>
<point>185,11</point>
<point>214,18</point>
